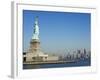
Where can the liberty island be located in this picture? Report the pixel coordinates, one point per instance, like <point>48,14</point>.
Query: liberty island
<point>34,54</point>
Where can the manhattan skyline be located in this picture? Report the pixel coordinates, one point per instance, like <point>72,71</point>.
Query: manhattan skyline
<point>59,31</point>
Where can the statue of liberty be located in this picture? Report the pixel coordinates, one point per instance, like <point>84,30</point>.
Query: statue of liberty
<point>36,29</point>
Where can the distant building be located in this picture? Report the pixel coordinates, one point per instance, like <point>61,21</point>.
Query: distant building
<point>84,51</point>
<point>34,53</point>
<point>78,53</point>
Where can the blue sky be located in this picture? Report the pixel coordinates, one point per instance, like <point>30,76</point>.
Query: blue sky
<point>59,31</point>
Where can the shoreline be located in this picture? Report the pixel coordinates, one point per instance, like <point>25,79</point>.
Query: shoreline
<point>50,62</point>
